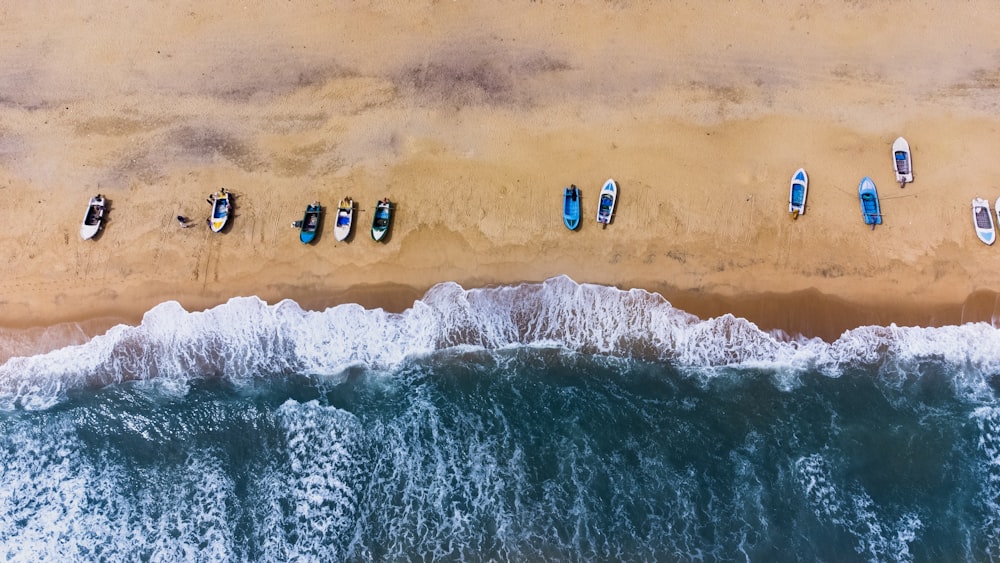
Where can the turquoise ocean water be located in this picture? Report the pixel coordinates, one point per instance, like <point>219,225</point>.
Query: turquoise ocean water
<point>552,421</point>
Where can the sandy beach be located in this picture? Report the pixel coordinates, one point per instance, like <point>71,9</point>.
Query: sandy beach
<point>472,117</point>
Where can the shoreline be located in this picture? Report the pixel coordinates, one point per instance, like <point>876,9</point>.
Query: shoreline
<point>806,313</point>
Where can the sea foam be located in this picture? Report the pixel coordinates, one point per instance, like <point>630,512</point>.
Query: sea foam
<point>248,338</point>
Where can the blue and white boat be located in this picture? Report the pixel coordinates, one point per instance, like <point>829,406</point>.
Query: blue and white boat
<point>797,193</point>
<point>380,221</point>
<point>571,207</point>
<point>310,222</point>
<point>982,219</point>
<point>870,209</point>
<point>345,217</point>
<point>221,207</point>
<point>606,207</point>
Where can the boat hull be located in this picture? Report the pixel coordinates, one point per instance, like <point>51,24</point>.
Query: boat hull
<point>902,161</point>
<point>606,202</point>
<point>871,210</point>
<point>797,193</point>
<point>93,219</point>
<point>982,220</point>
<point>310,223</point>
<point>381,219</point>
<point>345,219</point>
<point>571,208</point>
<point>220,211</point>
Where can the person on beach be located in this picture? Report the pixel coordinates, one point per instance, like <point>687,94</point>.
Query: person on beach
<point>183,221</point>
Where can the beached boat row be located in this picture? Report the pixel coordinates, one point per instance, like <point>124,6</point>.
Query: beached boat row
<point>605,205</point>
<point>222,210</point>
<point>309,225</point>
<point>871,209</point>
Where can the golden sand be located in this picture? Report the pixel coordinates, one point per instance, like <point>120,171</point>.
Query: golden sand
<point>472,117</point>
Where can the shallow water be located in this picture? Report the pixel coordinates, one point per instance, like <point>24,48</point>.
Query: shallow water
<point>503,424</point>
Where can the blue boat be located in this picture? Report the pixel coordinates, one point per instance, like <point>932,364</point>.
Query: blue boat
<point>870,209</point>
<point>571,207</point>
<point>310,222</point>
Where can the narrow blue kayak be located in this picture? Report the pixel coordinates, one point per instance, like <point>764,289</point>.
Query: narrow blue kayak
<point>571,207</point>
<point>870,209</point>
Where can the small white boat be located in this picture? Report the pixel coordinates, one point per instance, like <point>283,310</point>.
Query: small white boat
<point>345,216</point>
<point>606,205</point>
<point>797,193</point>
<point>93,218</point>
<point>902,161</point>
<point>220,209</point>
<point>982,219</point>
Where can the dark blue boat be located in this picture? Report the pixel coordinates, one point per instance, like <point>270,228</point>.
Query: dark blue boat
<point>380,221</point>
<point>870,209</point>
<point>571,207</point>
<point>310,222</point>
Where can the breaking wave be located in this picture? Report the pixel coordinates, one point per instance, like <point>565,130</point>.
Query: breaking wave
<point>246,338</point>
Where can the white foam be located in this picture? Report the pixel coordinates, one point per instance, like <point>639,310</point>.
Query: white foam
<point>247,338</point>
<point>855,512</point>
<point>57,503</point>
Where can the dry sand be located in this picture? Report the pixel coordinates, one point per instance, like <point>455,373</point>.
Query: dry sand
<point>473,116</point>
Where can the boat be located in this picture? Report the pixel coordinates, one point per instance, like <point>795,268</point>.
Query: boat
<point>870,209</point>
<point>93,218</point>
<point>571,207</point>
<point>606,205</point>
<point>345,216</point>
<point>220,209</point>
<point>797,193</point>
<point>310,222</point>
<point>982,219</point>
<point>902,161</point>
<point>380,221</point>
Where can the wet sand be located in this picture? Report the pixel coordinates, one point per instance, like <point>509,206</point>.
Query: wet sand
<point>472,117</point>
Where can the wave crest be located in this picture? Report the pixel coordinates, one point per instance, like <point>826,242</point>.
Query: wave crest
<point>246,338</point>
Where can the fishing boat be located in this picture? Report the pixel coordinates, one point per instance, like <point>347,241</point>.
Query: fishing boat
<point>571,207</point>
<point>345,216</point>
<point>797,193</point>
<point>380,221</point>
<point>870,209</point>
<point>606,205</point>
<point>93,218</point>
<point>220,209</point>
<point>982,220</point>
<point>902,161</point>
<point>310,222</point>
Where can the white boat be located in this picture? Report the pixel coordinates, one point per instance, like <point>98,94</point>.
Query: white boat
<point>93,218</point>
<point>982,219</point>
<point>345,216</point>
<point>606,205</point>
<point>220,210</point>
<point>902,161</point>
<point>797,193</point>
